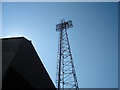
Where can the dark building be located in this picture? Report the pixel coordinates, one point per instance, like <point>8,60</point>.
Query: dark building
<point>21,66</point>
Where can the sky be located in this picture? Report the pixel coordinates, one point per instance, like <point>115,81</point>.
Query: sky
<point>93,39</point>
<point>60,0</point>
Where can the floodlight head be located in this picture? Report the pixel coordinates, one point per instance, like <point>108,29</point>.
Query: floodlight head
<point>64,25</point>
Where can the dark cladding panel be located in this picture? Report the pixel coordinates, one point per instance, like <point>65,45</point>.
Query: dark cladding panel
<point>26,63</point>
<point>32,68</point>
<point>16,79</point>
<point>9,48</point>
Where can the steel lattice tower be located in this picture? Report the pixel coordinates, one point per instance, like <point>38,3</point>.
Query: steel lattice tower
<point>66,75</point>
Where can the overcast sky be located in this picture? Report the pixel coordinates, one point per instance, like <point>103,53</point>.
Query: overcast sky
<point>93,38</point>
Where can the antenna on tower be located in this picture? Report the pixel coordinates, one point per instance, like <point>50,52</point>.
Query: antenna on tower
<point>66,75</point>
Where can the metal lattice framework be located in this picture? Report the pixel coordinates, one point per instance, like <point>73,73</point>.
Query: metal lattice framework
<point>66,75</point>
